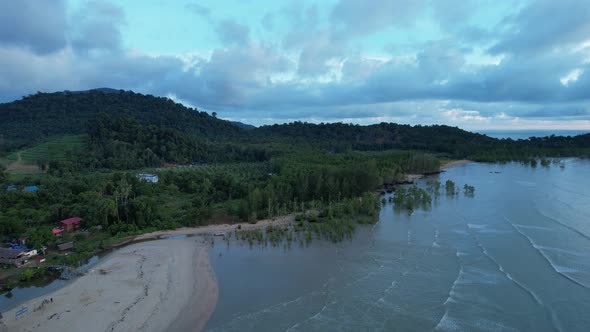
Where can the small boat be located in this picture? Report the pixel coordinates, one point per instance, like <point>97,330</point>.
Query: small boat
<point>219,234</point>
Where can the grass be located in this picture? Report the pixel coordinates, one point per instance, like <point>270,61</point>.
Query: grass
<point>54,150</point>
<point>23,163</point>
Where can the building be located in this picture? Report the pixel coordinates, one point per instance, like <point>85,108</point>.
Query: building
<point>31,189</point>
<point>57,231</point>
<point>11,187</point>
<point>151,178</point>
<point>14,257</point>
<point>71,224</point>
<point>30,253</point>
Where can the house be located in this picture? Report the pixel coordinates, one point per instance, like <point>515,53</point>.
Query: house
<point>57,231</point>
<point>31,189</point>
<point>14,257</point>
<point>30,253</point>
<point>65,246</point>
<point>11,187</point>
<point>71,224</point>
<point>151,178</point>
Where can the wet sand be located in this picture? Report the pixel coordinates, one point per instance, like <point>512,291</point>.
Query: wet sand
<point>150,286</point>
<point>212,229</point>
<point>454,163</point>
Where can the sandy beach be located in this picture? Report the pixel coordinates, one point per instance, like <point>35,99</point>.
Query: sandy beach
<point>211,229</point>
<point>454,163</point>
<point>163,285</point>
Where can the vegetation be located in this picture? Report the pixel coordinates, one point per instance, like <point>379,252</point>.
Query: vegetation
<point>411,198</point>
<point>88,147</point>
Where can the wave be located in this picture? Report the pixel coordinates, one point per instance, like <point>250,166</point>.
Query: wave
<point>506,274</point>
<point>317,315</point>
<point>570,191</point>
<point>573,229</point>
<point>558,269</point>
<point>526,183</point>
<point>522,286</point>
<point>447,324</point>
<point>484,229</point>
<point>561,251</point>
<point>452,291</point>
<point>539,228</point>
<point>435,243</point>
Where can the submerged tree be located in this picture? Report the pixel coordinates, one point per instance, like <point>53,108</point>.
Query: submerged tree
<point>468,190</point>
<point>450,187</point>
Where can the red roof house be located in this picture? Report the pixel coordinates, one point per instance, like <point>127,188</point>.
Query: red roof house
<point>71,224</point>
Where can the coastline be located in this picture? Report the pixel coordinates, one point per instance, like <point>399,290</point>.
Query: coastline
<point>411,178</point>
<point>176,309</point>
<point>454,163</point>
<point>141,287</point>
<point>210,229</point>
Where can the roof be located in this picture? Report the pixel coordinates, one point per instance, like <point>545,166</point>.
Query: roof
<point>71,221</point>
<point>11,187</point>
<point>10,253</point>
<point>31,189</point>
<point>57,231</point>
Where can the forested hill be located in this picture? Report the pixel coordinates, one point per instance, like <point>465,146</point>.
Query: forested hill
<point>34,118</point>
<point>383,136</point>
<point>138,130</point>
<point>451,141</point>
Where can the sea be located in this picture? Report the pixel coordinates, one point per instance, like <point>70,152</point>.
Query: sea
<point>515,256</point>
<point>525,134</point>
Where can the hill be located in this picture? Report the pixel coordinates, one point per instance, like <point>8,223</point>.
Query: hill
<point>130,130</point>
<point>34,119</point>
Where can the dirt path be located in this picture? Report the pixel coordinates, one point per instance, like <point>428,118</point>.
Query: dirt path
<point>20,166</point>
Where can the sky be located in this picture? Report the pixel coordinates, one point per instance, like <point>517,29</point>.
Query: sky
<point>475,64</point>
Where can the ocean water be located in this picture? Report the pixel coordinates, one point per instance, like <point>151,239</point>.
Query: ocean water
<point>515,257</point>
<point>525,134</point>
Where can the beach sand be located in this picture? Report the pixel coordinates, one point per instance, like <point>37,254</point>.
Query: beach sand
<point>165,285</point>
<point>211,229</point>
<point>454,163</point>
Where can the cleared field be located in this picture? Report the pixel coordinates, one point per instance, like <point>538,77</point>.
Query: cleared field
<point>25,162</point>
<point>54,150</point>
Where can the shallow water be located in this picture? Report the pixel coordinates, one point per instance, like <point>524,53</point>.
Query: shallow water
<point>515,257</point>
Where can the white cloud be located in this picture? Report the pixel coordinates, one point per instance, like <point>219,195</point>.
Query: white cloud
<point>572,76</point>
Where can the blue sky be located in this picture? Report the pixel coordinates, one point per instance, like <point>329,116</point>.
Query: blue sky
<point>476,64</point>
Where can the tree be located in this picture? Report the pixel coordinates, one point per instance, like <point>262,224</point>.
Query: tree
<point>3,174</point>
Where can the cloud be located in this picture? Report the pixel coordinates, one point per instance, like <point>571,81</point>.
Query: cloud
<point>232,32</point>
<point>97,27</point>
<point>198,9</point>
<point>268,21</point>
<point>559,111</point>
<point>362,17</point>
<point>36,25</point>
<point>316,65</point>
<point>545,25</point>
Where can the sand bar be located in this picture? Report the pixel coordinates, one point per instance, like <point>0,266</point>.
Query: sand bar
<point>212,229</point>
<point>454,163</point>
<point>147,286</point>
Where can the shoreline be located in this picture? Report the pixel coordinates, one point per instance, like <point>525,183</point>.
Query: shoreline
<point>210,229</point>
<point>454,163</point>
<point>180,314</point>
<point>141,287</point>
